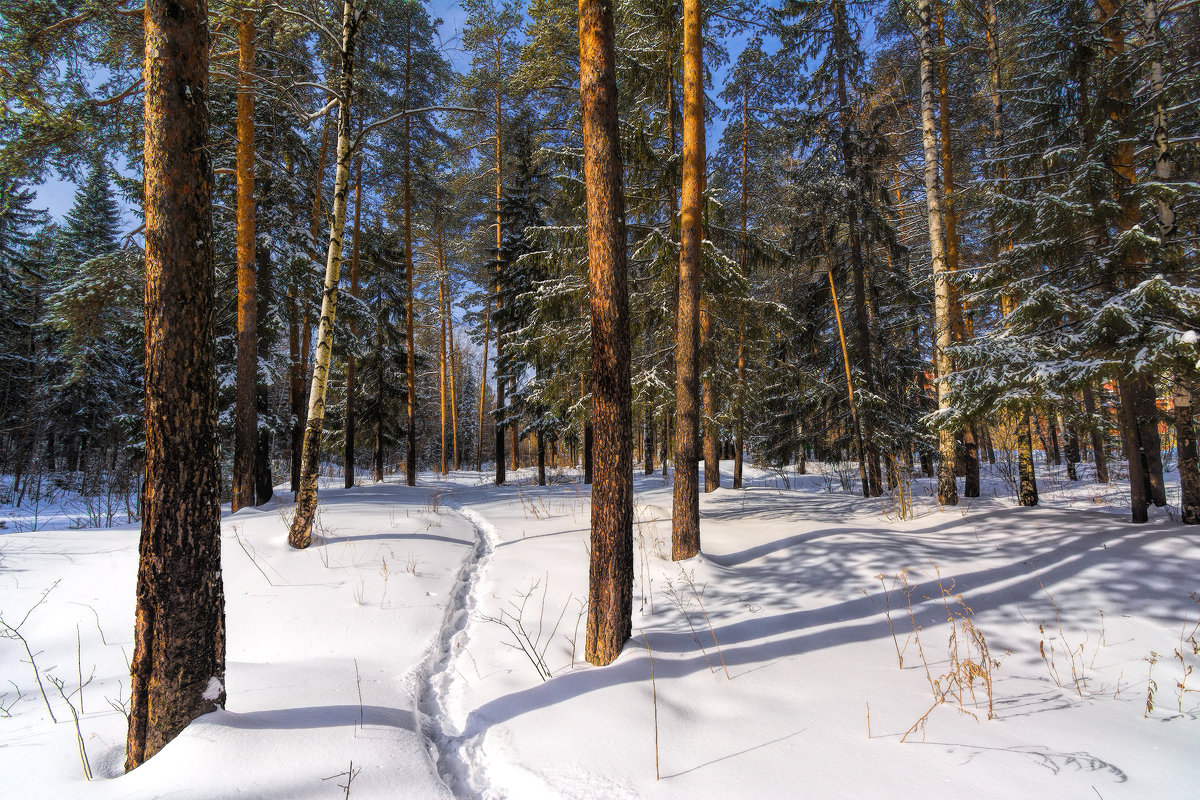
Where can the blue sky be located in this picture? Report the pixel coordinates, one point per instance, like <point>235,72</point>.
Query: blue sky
<point>57,195</point>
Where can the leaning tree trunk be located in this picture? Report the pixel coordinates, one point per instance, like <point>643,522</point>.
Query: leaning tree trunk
<point>685,517</point>
<point>245,413</point>
<point>947,452</point>
<point>300,535</point>
<point>178,667</point>
<point>610,579</point>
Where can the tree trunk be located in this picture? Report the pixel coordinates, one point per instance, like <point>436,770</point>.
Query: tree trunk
<point>587,452</point>
<point>1071,450</point>
<point>442,370</point>
<point>410,468</point>
<point>1099,450</point>
<point>541,458</point>
<point>610,578</point>
<point>264,484</point>
<point>300,535</point>
<point>499,302</point>
<point>245,440</point>
<point>178,667</point>
<point>1027,490</point>
<point>648,455</point>
<point>1185,437</point>
<point>1055,452</point>
<point>351,378</point>
<point>487,330</point>
<point>947,488</point>
<point>740,411</point>
<point>862,334</point>
<point>450,335</point>
<point>712,442</point>
<point>685,518</point>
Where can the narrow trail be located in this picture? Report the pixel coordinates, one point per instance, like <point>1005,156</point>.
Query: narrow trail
<point>456,754</point>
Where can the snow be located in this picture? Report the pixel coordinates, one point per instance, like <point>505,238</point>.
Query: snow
<point>407,649</point>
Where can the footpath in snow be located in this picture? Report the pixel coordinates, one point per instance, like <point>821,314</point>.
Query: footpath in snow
<point>435,638</point>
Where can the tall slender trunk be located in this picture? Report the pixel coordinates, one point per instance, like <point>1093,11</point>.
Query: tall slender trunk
<point>487,331</point>
<point>351,377</point>
<point>610,577</point>
<point>450,342</point>
<point>178,667</point>
<point>1071,446</point>
<point>970,441</point>
<point>712,442</point>
<point>245,413</point>
<point>685,518</point>
<point>300,535</point>
<point>264,483</point>
<point>739,434</point>
<point>648,441</point>
<point>410,469</point>
<point>499,286</point>
<point>442,369</point>
<point>947,452</point>
<point>862,333</point>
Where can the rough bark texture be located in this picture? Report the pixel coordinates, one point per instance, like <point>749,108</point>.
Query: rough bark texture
<point>1185,436</point>
<point>300,535</point>
<point>739,433</point>
<point>245,412</point>
<point>499,302</point>
<point>610,579</point>
<point>947,451</point>
<point>410,370</point>
<point>685,517</point>
<point>1027,492</point>
<point>178,666</point>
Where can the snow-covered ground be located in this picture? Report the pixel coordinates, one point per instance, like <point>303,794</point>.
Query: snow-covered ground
<point>434,638</point>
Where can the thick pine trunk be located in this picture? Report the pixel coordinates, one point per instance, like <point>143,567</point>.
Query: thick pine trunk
<point>1027,493</point>
<point>245,440</point>
<point>178,666</point>
<point>947,452</point>
<point>610,579</point>
<point>300,535</point>
<point>442,370</point>
<point>685,518</point>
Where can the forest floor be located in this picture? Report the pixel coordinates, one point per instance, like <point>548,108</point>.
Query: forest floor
<point>430,645</point>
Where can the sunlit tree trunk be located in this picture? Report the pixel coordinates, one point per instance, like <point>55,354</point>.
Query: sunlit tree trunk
<point>685,518</point>
<point>410,453</point>
<point>947,452</point>
<point>300,535</point>
<point>178,668</point>
<point>245,412</point>
<point>610,580</point>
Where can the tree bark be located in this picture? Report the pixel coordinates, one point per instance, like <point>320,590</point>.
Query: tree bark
<point>442,370</point>
<point>740,411</point>
<point>1099,450</point>
<point>410,468</point>
<point>712,442</point>
<point>351,377</point>
<point>499,287</point>
<point>178,667</point>
<point>1027,489</point>
<point>245,440</point>
<point>1185,437</point>
<point>685,518</point>
<point>300,535</point>
<point>947,452</point>
<point>487,330</point>
<point>610,580</point>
